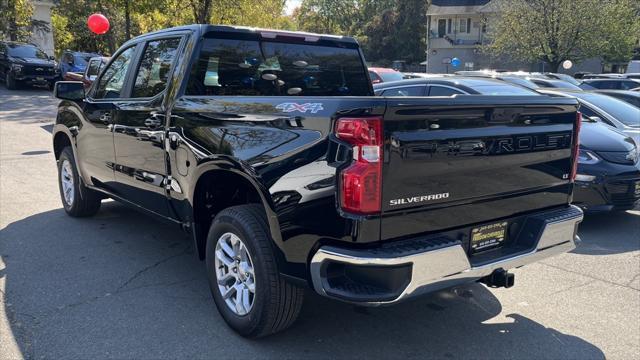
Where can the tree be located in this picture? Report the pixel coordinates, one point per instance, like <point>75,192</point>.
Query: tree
<point>557,30</point>
<point>201,10</point>
<point>131,18</point>
<point>16,22</point>
<point>386,29</point>
<point>396,31</point>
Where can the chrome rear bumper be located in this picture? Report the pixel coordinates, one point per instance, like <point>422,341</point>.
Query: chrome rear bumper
<point>445,266</point>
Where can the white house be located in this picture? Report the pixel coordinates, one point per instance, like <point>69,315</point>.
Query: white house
<point>457,29</point>
<point>42,12</point>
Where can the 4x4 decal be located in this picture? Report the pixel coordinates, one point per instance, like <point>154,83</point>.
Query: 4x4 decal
<point>303,108</point>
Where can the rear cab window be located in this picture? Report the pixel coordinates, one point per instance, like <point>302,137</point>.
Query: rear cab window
<point>266,67</point>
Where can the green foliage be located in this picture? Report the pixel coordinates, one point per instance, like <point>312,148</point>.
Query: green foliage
<point>387,29</point>
<point>15,22</point>
<point>558,30</point>
<point>70,29</point>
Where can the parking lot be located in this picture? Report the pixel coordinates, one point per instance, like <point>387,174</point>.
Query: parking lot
<point>121,285</point>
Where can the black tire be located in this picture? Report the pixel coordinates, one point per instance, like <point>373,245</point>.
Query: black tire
<point>84,201</point>
<point>276,303</point>
<point>10,82</point>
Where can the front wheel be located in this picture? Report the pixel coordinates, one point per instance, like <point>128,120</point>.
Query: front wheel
<point>247,288</point>
<point>77,199</point>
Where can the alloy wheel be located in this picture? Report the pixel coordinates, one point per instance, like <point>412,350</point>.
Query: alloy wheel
<point>66,177</point>
<point>235,274</point>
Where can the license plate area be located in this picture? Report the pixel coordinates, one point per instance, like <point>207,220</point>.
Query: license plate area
<point>40,78</point>
<point>636,190</point>
<point>488,236</point>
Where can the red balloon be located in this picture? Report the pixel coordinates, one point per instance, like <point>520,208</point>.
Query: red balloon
<point>98,23</point>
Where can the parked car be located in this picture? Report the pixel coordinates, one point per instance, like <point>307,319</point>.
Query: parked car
<point>610,84</point>
<point>608,176</point>
<point>22,63</point>
<point>563,77</point>
<point>90,73</point>
<point>450,86</point>
<point>414,75</point>
<point>552,83</point>
<point>379,75</point>
<point>611,111</point>
<point>271,150</point>
<point>74,62</point>
<point>628,96</point>
<point>515,80</point>
<point>608,170</point>
<point>613,76</point>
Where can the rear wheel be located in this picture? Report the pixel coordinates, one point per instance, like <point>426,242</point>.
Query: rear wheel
<point>247,288</point>
<point>77,199</point>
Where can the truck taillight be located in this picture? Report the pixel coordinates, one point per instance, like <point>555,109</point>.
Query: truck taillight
<point>361,182</point>
<point>575,151</point>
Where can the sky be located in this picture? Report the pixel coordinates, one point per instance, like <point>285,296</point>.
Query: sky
<point>292,4</point>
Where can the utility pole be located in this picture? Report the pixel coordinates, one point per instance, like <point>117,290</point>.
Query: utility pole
<point>428,43</point>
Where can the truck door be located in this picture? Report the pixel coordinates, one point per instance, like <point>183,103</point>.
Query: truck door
<point>140,169</point>
<point>95,141</point>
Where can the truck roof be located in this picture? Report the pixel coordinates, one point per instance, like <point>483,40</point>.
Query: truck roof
<point>265,33</point>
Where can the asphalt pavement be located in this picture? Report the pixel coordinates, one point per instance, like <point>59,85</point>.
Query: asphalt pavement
<point>122,285</point>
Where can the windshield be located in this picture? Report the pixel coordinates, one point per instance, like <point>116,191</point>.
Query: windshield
<point>28,52</point>
<point>505,89</point>
<point>263,68</point>
<point>567,78</point>
<point>390,76</point>
<point>620,110</point>
<point>519,81</point>
<point>81,60</point>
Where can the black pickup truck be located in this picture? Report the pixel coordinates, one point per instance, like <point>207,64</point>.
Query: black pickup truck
<point>272,151</point>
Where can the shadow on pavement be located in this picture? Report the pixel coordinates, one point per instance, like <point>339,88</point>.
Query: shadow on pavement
<point>121,285</point>
<point>595,232</point>
<point>27,105</point>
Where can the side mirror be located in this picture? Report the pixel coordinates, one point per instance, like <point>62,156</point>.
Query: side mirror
<point>92,77</point>
<point>69,90</point>
<point>52,58</point>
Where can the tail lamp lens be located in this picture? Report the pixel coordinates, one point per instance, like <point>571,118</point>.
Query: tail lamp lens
<point>576,146</point>
<point>361,182</point>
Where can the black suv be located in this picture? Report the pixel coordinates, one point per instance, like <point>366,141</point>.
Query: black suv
<point>26,63</point>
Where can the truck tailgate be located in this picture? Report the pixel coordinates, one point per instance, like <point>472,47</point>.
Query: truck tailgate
<point>470,159</point>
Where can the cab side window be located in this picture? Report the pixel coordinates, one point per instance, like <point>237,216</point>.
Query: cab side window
<point>112,80</point>
<point>154,67</point>
<point>442,91</point>
<point>405,91</point>
<point>589,113</point>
